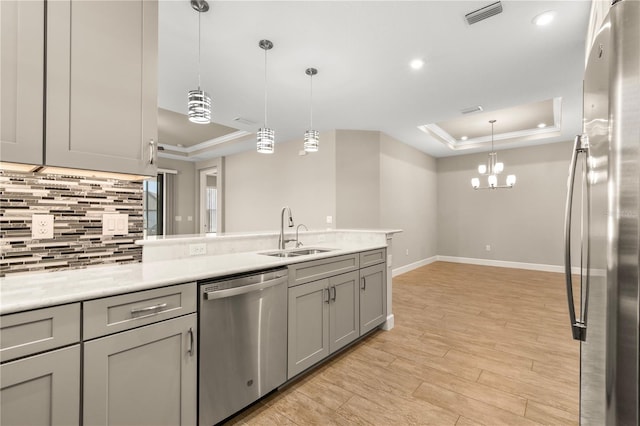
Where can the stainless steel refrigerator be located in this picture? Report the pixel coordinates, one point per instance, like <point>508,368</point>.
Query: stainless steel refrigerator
<point>604,202</point>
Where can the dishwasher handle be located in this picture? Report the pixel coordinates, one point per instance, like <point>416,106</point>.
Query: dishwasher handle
<point>236,291</point>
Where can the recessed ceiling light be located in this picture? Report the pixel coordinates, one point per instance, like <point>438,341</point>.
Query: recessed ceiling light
<point>544,18</point>
<point>542,125</point>
<point>416,64</point>
<point>464,138</point>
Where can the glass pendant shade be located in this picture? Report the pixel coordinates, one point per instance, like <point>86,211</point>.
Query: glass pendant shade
<point>266,136</point>
<point>266,140</point>
<point>493,181</point>
<point>511,180</point>
<point>475,183</point>
<point>198,101</point>
<point>199,107</point>
<point>482,169</point>
<point>311,140</point>
<point>499,167</point>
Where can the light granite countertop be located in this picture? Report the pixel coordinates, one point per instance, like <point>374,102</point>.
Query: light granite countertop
<point>38,290</point>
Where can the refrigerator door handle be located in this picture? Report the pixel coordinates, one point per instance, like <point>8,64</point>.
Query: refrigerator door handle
<point>578,327</point>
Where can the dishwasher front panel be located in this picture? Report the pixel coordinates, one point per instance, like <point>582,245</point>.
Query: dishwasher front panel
<point>243,346</point>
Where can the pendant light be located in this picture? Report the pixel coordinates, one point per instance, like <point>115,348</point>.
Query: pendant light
<point>199,103</point>
<point>266,136</point>
<point>491,169</point>
<point>311,137</point>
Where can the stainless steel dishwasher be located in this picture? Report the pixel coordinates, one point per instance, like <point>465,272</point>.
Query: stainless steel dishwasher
<point>243,342</point>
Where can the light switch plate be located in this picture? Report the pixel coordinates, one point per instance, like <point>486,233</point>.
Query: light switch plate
<point>197,249</point>
<point>115,224</point>
<point>42,226</point>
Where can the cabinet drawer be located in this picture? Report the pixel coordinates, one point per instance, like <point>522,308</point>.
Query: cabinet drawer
<point>300,273</point>
<point>118,313</point>
<point>39,330</point>
<point>372,257</point>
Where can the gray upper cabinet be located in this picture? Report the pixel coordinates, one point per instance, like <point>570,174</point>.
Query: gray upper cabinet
<point>144,376</point>
<point>42,389</point>
<point>21,81</point>
<point>101,103</point>
<point>373,297</point>
<point>344,321</point>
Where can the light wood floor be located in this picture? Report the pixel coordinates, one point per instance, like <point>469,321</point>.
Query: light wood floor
<point>471,345</point>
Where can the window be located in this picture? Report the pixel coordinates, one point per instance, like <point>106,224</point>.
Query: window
<point>153,205</point>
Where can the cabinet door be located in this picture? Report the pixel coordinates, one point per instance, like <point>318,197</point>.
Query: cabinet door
<point>21,81</point>
<point>42,389</point>
<point>308,325</point>
<point>101,84</point>
<point>145,376</point>
<point>344,312</point>
<point>373,297</point>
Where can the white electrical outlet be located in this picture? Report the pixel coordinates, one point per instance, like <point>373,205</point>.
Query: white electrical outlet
<point>197,249</point>
<point>115,224</point>
<point>487,247</point>
<point>407,252</point>
<point>329,219</point>
<point>42,226</point>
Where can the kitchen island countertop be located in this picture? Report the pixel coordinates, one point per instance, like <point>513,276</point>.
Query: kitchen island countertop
<point>38,290</point>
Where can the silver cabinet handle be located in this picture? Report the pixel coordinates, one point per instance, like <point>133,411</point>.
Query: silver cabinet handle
<point>328,295</point>
<point>335,293</point>
<point>148,309</point>
<point>364,283</point>
<point>152,152</point>
<point>190,351</point>
<point>578,326</point>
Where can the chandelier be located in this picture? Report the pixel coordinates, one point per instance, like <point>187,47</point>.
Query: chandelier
<point>492,169</point>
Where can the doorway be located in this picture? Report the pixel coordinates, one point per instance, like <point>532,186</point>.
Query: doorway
<point>209,200</point>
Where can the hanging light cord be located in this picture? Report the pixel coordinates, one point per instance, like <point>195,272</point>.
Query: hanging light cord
<point>265,88</point>
<point>199,13</point>
<point>492,137</point>
<point>311,103</point>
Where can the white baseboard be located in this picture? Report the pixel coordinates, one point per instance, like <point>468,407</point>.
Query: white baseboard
<point>390,323</point>
<point>507,264</point>
<point>484,262</point>
<point>414,265</point>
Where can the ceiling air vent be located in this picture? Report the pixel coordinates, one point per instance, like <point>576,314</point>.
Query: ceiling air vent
<point>472,109</point>
<point>244,121</point>
<point>483,13</point>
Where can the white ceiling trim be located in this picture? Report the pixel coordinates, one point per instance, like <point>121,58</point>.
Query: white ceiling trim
<point>206,144</point>
<point>457,144</point>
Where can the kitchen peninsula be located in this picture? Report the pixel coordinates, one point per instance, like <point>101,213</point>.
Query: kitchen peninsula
<point>145,320</point>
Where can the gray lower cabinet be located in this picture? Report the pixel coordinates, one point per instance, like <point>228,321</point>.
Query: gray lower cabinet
<point>373,297</point>
<point>323,317</point>
<point>42,389</point>
<point>308,340</point>
<point>344,307</point>
<point>101,85</point>
<point>144,376</point>
<point>21,81</point>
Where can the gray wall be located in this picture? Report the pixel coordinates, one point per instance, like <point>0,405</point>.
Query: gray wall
<point>408,193</point>
<point>257,186</point>
<point>523,224</point>
<point>357,179</point>
<point>184,193</point>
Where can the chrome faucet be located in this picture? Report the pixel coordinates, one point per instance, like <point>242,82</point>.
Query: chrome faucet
<point>282,242</point>
<point>298,243</point>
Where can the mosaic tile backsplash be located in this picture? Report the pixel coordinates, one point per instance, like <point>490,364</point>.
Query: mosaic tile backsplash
<point>77,204</point>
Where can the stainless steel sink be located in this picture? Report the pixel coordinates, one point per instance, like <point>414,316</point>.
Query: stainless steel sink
<point>302,252</point>
<point>296,252</point>
<point>280,254</point>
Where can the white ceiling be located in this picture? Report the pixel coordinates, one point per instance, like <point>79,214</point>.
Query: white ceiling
<point>362,50</point>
